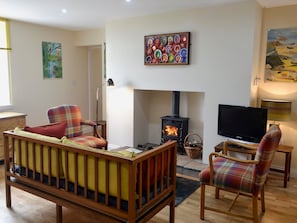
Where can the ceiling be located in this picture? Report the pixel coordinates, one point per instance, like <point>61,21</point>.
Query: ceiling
<point>91,14</point>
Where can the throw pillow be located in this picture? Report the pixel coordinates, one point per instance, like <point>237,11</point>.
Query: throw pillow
<point>54,130</point>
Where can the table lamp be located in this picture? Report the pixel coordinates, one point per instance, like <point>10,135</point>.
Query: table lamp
<point>278,110</point>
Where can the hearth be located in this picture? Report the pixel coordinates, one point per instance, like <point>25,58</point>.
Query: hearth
<point>173,126</point>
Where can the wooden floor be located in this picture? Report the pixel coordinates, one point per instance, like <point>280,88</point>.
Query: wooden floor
<point>281,206</point>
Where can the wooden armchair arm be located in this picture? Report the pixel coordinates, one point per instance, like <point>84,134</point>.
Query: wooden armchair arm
<point>239,144</point>
<point>95,129</point>
<point>215,154</point>
<point>88,122</point>
<point>231,158</point>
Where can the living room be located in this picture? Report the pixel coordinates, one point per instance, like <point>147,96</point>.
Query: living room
<point>227,56</point>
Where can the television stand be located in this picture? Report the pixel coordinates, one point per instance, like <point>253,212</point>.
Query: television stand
<point>284,149</point>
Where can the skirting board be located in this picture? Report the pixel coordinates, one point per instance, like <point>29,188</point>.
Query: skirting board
<point>293,173</point>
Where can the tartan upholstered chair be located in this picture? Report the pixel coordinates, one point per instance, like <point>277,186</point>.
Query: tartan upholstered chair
<point>244,177</point>
<point>72,116</point>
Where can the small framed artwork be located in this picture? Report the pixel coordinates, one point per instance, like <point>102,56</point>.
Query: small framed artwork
<point>167,49</point>
<point>52,60</point>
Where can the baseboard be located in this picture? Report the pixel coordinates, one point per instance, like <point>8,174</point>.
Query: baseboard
<point>293,173</point>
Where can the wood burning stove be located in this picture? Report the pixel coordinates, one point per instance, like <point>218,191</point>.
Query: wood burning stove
<point>173,126</point>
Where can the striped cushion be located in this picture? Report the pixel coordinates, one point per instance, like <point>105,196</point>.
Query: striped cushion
<point>69,113</point>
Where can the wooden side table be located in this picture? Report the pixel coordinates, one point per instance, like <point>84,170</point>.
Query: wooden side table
<point>102,125</point>
<point>285,149</point>
<point>8,121</point>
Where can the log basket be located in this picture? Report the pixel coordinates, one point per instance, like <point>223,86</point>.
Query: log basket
<point>193,145</point>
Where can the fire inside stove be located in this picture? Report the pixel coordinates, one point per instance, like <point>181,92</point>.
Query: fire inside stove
<point>171,130</point>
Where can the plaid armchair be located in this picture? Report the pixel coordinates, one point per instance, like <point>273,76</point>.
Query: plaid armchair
<point>244,177</point>
<point>71,114</point>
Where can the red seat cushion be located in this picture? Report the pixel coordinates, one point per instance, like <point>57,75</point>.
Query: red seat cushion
<point>57,130</point>
<point>150,173</point>
<point>229,174</point>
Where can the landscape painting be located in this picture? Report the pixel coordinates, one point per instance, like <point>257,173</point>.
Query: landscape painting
<point>281,55</point>
<point>52,60</point>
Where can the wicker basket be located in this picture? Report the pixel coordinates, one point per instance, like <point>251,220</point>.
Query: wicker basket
<point>193,145</point>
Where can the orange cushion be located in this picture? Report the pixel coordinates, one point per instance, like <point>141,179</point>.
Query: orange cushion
<point>54,130</point>
<point>151,170</point>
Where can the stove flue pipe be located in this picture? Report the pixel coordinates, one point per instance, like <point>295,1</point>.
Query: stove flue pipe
<point>175,103</point>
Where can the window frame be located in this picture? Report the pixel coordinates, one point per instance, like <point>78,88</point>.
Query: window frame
<point>5,47</point>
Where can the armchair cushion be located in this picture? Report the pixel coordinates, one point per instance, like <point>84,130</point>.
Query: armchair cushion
<point>90,141</point>
<point>69,113</point>
<point>229,174</point>
<point>149,173</point>
<point>112,176</point>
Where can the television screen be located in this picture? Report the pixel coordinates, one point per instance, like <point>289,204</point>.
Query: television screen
<point>242,123</point>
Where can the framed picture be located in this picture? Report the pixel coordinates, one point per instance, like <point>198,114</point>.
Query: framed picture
<point>281,55</point>
<point>167,49</point>
<point>52,60</point>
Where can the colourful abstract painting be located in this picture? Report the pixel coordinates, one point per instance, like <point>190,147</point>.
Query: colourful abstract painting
<point>167,49</point>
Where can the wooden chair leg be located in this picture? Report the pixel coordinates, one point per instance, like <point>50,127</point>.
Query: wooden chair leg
<point>59,214</point>
<point>172,211</point>
<point>255,209</point>
<point>262,195</point>
<point>217,194</point>
<point>8,196</point>
<point>202,201</point>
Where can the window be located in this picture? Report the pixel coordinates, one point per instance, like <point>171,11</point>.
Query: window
<point>5,87</point>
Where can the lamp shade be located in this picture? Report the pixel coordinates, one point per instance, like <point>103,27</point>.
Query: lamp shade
<point>278,110</point>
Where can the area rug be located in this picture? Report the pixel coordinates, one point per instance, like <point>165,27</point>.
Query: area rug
<point>184,188</point>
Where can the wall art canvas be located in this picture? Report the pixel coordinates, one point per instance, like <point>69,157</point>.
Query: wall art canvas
<point>52,60</point>
<point>167,49</point>
<point>281,55</point>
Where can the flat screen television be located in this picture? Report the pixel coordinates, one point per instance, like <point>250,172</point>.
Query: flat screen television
<point>242,123</point>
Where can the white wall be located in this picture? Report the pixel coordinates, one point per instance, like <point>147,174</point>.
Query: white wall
<point>274,18</point>
<point>92,37</point>
<point>221,58</point>
<point>31,93</point>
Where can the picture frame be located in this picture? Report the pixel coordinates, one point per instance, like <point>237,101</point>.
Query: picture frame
<point>167,49</point>
<point>281,55</point>
<point>52,60</point>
